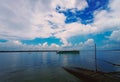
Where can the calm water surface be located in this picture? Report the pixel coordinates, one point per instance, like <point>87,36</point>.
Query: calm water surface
<point>47,66</point>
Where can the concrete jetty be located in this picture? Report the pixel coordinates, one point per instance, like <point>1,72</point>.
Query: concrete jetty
<point>87,75</point>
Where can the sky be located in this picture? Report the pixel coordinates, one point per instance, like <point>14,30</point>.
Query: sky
<point>53,24</point>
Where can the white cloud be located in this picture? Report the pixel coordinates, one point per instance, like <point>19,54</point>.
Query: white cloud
<point>26,19</point>
<point>115,35</point>
<point>68,4</point>
<point>108,19</point>
<point>17,45</point>
<point>81,4</point>
<point>89,44</point>
<point>110,46</point>
<point>104,20</point>
<point>21,20</point>
<point>55,46</point>
<point>74,29</point>
<point>29,19</point>
<point>45,45</point>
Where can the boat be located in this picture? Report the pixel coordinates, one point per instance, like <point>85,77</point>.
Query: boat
<point>68,52</point>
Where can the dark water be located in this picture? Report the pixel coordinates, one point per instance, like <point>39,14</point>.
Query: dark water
<point>47,66</point>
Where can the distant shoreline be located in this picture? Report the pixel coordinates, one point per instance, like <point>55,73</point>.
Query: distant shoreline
<point>47,50</point>
<point>36,50</point>
<point>30,51</point>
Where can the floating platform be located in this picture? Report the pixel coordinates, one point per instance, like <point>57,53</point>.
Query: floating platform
<point>91,76</point>
<point>68,52</point>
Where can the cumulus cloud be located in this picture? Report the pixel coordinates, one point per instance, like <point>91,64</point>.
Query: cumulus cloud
<point>74,29</point>
<point>89,44</point>
<point>110,46</point>
<point>115,35</point>
<point>69,4</point>
<point>17,45</point>
<point>53,45</point>
<point>29,19</point>
<point>104,20</point>
<point>108,19</point>
<point>23,20</point>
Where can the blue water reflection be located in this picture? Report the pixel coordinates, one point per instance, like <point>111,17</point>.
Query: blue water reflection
<point>47,66</point>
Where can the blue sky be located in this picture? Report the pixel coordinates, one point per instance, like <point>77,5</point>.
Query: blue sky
<point>59,23</point>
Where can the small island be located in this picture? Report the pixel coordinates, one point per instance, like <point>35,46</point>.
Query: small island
<point>68,52</point>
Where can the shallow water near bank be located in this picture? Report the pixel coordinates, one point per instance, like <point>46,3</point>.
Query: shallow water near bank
<point>47,66</point>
